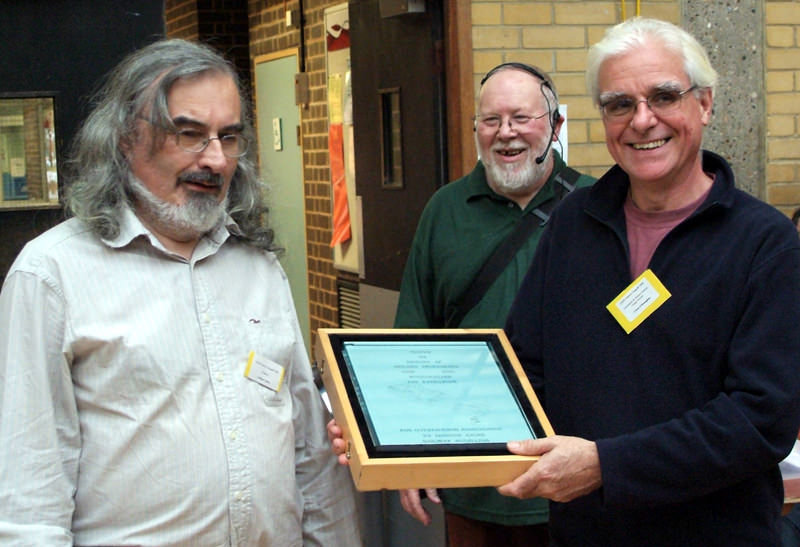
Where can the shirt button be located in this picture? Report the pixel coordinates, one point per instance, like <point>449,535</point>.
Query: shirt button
<point>220,377</point>
<point>233,435</point>
<point>206,319</point>
<point>238,496</point>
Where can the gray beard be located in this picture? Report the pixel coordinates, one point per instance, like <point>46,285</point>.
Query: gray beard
<point>514,179</point>
<point>199,215</point>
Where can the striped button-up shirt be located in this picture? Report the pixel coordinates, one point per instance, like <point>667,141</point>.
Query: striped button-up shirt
<point>126,417</point>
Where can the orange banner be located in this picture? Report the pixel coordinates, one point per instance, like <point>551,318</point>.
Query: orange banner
<point>341,213</point>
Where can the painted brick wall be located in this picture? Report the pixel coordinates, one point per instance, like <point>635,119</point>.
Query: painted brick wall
<point>782,51</point>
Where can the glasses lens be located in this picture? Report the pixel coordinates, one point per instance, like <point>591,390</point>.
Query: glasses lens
<point>489,122</point>
<point>190,140</point>
<point>619,106</point>
<point>521,119</point>
<point>664,101</point>
<point>234,145</point>
<point>659,102</point>
<point>517,121</point>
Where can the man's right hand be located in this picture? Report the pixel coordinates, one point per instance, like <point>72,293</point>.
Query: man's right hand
<point>412,503</point>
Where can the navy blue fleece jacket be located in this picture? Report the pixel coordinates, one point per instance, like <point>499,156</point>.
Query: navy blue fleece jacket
<point>693,410</point>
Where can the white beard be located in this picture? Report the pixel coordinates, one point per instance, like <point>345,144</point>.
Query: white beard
<point>514,178</point>
<point>199,215</point>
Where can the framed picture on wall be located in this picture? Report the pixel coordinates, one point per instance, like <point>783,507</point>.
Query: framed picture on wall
<point>28,159</point>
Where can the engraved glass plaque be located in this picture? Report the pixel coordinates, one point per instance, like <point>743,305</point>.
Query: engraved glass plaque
<point>434,392</point>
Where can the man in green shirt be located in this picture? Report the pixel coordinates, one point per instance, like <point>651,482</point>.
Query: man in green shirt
<point>463,223</point>
<point>518,174</point>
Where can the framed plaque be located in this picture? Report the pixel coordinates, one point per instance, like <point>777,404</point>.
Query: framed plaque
<point>429,408</point>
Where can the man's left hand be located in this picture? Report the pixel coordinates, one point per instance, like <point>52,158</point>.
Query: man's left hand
<point>568,467</point>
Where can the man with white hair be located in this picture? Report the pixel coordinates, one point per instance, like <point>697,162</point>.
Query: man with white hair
<point>658,323</point>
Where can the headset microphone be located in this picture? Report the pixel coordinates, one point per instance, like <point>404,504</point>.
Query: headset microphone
<point>541,158</point>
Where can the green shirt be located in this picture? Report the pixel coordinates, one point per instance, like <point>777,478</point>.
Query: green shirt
<point>462,224</point>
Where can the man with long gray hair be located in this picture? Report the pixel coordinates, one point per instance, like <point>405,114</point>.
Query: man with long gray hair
<point>154,385</point>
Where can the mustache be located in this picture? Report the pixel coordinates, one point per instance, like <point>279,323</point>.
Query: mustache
<point>513,144</point>
<point>202,177</point>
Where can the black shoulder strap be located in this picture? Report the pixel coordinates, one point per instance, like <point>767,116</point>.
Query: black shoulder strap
<point>566,178</point>
<point>502,255</point>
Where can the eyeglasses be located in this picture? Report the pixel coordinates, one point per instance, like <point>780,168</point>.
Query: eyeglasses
<point>233,145</point>
<point>660,102</point>
<point>493,121</point>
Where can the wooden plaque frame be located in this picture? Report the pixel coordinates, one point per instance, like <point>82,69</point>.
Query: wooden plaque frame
<point>371,471</point>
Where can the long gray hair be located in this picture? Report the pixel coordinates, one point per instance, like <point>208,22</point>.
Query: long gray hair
<point>138,88</point>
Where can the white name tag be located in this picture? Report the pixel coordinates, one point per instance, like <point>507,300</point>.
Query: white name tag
<point>264,372</point>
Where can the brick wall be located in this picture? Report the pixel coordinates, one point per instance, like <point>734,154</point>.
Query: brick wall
<point>555,36</point>
<point>268,34</point>
<point>224,25</point>
<point>782,63</point>
<point>181,19</point>
<point>220,23</point>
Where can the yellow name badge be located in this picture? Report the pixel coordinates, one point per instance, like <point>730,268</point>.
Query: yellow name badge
<point>264,372</point>
<point>640,299</point>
